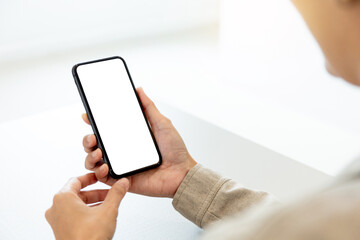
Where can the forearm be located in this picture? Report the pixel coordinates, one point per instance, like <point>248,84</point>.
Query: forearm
<point>204,197</point>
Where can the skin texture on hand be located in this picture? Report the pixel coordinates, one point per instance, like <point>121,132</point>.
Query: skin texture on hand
<point>160,182</point>
<point>71,218</point>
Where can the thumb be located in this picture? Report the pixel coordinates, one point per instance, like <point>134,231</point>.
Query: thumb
<point>116,194</point>
<point>155,118</point>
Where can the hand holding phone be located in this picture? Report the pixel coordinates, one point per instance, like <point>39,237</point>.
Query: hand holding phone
<point>116,116</point>
<point>162,181</point>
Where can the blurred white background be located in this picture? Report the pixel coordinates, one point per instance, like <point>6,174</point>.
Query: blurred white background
<point>249,67</point>
<point>188,54</point>
<point>39,28</point>
<point>258,45</point>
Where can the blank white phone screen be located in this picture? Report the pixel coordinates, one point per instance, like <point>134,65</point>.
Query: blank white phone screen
<point>117,115</point>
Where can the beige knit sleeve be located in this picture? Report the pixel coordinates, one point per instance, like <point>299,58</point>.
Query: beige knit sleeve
<point>204,197</point>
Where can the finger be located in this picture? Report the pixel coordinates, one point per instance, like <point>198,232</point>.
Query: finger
<point>89,142</point>
<point>155,118</point>
<point>76,184</point>
<point>93,196</point>
<point>87,179</point>
<point>48,215</point>
<point>101,172</point>
<point>85,118</point>
<point>116,194</point>
<point>92,159</point>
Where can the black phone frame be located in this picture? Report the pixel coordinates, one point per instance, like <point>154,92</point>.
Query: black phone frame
<point>94,126</point>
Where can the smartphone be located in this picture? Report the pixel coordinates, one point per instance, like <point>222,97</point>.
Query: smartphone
<point>116,116</point>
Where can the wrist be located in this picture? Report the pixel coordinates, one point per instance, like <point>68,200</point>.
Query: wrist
<point>189,165</point>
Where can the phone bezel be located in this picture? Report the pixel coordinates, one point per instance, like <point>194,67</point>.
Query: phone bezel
<point>94,126</point>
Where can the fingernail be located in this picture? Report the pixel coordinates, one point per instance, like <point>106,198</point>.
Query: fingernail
<point>124,183</point>
<point>88,138</point>
<point>94,154</point>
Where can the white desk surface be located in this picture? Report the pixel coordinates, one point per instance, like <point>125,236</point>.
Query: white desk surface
<point>41,152</point>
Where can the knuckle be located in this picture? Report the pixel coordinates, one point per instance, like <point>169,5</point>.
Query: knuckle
<point>88,163</point>
<point>97,173</point>
<point>164,123</point>
<point>151,103</point>
<point>48,214</point>
<point>89,142</point>
<point>98,154</point>
<point>150,106</point>
<point>85,141</point>
<point>102,177</point>
<point>57,197</point>
<point>168,121</point>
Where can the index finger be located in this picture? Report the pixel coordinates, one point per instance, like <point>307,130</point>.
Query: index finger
<point>76,184</point>
<point>85,118</point>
